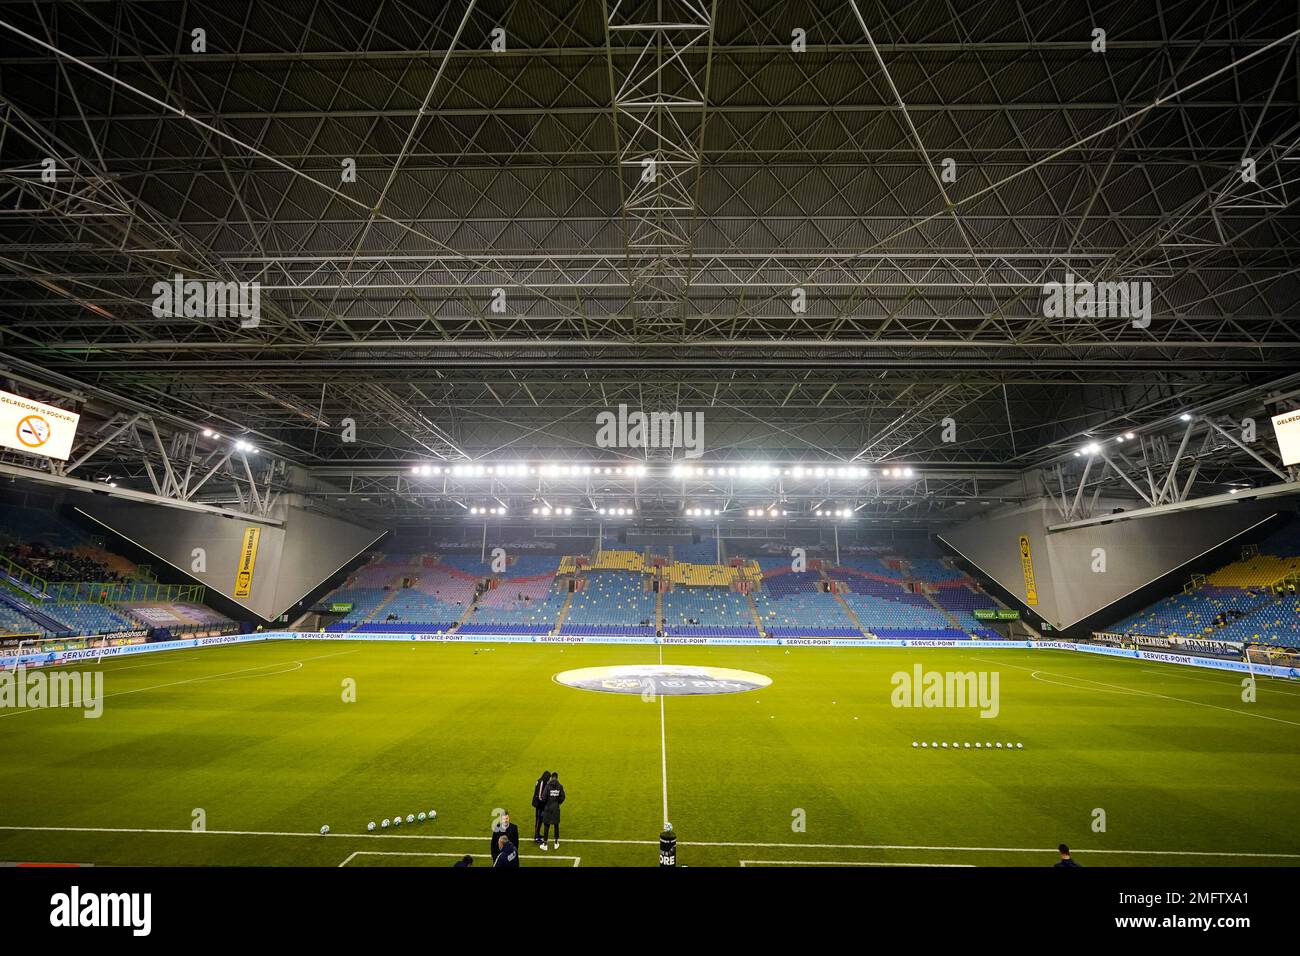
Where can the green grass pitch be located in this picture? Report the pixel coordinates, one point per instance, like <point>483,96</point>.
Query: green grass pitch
<point>259,738</point>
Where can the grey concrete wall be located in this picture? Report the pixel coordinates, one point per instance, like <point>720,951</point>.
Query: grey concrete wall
<point>291,559</point>
<point>1136,552</point>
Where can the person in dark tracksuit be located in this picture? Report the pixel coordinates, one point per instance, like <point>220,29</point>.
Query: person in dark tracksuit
<point>551,811</point>
<point>1066,860</point>
<point>539,801</point>
<point>503,827</point>
<point>507,855</point>
<point>465,861</point>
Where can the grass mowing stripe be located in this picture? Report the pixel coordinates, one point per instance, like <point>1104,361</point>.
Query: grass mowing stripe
<point>702,843</point>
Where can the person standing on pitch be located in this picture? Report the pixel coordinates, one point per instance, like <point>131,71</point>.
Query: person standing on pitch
<point>507,856</point>
<point>551,811</point>
<point>503,827</point>
<point>539,801</point>
<point>1066,860</point>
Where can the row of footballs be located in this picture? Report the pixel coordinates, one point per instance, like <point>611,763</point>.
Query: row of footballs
<point>957,746</point>
<point>410,818</point>
<point>396,821</point>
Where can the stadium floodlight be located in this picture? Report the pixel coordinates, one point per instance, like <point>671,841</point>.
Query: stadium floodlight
<point>1128,436</point>
<point>1091,449</point>
<point>1185,416</point>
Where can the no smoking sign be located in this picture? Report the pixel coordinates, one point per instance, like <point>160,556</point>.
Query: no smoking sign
<point>33,431</point>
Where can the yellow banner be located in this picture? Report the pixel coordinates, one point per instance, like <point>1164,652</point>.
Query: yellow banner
<point>247,561</point>
<point>1027,566</point>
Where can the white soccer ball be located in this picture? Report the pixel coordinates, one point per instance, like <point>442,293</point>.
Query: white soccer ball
<point>923,744</point>
<point>325,829</point>
<point>370,826</point>
<point>410,818</point>
<point>397,820</point>
<point>999,746</point>
<point>423,816</point>
<point>385,823</point>
<point>968,745</point>
<point>433,814</point>
<point>977,745</point>
<point>1020,746</point>
<point>915,744</point>
<point>945,745</point>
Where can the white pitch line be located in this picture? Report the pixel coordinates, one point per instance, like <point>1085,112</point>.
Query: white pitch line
<point>192,680</point>
<point>795,846</point>
<point>663,743</point>
<point>663,751</point>
<point>960,866</point>
<point>532,856</point>
<point>297,666</point>
<point>1143,693</point>
<point>1233,683</point>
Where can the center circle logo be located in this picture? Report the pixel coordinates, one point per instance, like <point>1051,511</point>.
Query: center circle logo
<point>666,679</point>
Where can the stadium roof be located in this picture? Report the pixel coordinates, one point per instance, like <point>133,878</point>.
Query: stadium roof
<point>502,269</point>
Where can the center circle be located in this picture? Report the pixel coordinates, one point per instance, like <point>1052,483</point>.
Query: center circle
<point>663,679</point>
